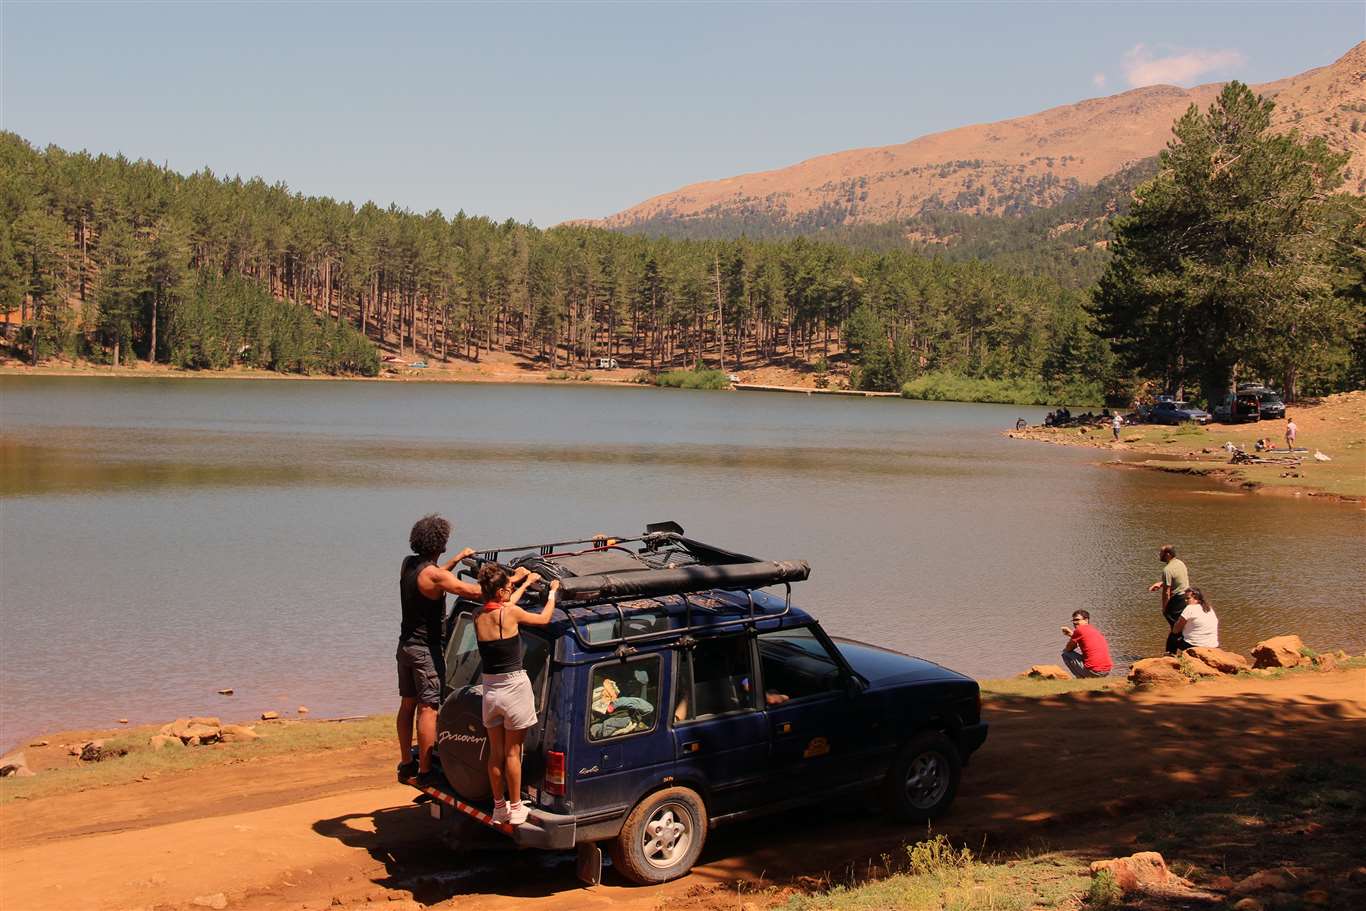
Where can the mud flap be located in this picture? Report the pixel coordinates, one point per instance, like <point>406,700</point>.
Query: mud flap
<point>588,866</point>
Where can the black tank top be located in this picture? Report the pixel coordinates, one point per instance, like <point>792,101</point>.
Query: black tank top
<point>422,616</point>
<point>501,656</point>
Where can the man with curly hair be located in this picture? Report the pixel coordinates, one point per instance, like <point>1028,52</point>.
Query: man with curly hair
<point>423,583</point>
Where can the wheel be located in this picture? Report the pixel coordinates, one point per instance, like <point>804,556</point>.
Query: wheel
<point>662,837</point>
<point>924,777</point>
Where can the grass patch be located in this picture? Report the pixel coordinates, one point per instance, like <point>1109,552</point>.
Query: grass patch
<point>566,375</point>
<point>934,875</point>
<point>142,760</point>
<point>951,387</point>
<point>692,379</point>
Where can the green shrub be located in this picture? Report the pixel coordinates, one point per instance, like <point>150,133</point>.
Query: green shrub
<point>936,856</point>
<point>692,379</point>
<point>1105,891</point>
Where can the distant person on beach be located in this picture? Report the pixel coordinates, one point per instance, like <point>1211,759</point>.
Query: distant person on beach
<point>1174,582</point>
<point>423,584</point>
<point>1116,422</point>
<point>1087,653</point>
<point>1198,625</point>
<point>1290,431</point>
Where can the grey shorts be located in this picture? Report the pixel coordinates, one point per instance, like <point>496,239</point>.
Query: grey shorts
<point>508,701</point>
<point>417,677</point>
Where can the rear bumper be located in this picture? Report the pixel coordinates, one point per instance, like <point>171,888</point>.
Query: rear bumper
<point>541,830</point>
<point>546,830</point>
<point>971,737</point>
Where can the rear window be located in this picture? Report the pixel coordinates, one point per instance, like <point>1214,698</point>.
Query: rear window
<point>463,664</point>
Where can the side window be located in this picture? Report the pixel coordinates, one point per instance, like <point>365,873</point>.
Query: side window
<point>623,698</point>
<point>715,676</point>
<point>796,664</point>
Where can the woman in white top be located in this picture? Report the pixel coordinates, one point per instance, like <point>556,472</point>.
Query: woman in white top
<point>1198,626</point>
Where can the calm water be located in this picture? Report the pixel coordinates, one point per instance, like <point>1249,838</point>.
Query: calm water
<point>160,539</point>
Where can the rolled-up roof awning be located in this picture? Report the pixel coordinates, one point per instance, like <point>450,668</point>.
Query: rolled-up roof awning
<point>682,580</point>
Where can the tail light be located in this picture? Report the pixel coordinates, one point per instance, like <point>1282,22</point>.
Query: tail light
<point>554,773</point>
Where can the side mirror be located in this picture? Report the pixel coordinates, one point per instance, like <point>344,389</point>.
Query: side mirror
<point>853,686</point>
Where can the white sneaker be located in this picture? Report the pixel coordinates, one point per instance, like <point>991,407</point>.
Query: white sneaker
<point>517,813</point>
<point>500,812</point>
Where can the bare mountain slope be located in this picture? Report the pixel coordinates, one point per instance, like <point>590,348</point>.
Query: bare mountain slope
<point>1013,165</point>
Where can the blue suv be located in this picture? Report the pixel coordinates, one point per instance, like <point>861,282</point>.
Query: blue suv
<point>674,695</point>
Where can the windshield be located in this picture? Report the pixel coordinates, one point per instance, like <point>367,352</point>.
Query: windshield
<point>1271,399</point>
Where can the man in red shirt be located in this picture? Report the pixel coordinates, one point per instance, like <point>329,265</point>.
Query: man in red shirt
<point>1087,653</point>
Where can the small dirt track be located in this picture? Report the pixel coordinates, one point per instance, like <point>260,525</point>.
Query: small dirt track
<point>326,830</point>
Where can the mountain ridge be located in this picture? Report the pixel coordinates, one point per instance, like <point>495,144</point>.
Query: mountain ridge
<point>1011,166</point>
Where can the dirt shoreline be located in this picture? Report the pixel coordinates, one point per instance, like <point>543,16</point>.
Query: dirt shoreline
<point>327,827</point>
<point>1334,426</point>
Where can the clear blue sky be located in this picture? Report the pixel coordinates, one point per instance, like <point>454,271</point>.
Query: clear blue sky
<point>554,111</point>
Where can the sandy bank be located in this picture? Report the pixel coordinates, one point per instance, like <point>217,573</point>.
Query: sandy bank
<point>1335,426</point>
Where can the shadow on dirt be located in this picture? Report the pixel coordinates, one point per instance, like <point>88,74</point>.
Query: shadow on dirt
<point>1076,770</point>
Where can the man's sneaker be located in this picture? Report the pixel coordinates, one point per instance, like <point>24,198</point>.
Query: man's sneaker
<point>432,778</point>
<point>407,771</point>
<point>500,812</point>
<point>517,813</point>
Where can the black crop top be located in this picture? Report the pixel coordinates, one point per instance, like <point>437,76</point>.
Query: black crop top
<point>501,656</point>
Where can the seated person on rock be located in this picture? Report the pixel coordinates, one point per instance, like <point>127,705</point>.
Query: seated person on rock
<point>1087,653</point>
<point>1198,625</point>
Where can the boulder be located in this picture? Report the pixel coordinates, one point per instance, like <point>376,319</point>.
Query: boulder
<point>237,733</point>
<point>207,721</point>
<point>1274,880</point>
<point>1279,651</point>
<point>165,740</point>
<point>1222,661</point>
<point>43,743</point>
<point>1047,672</point>
<point>1248,904</point>
<point>1326,661</point>
<point>225,691</point>
<point>1192,666</point>
<point>218,901</point>
<point>270,716</point>
<point>303,710</point>
<point>1145,870</point>
<point>123,721</point>
<point>15,765</point>
<point>1165,671</point>
<point>1319,897</point>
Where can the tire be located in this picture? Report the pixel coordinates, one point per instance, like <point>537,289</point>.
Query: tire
<point>923,779</point>
<point>661,838</point>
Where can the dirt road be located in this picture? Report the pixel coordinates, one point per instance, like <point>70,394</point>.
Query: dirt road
<point>327,830</point>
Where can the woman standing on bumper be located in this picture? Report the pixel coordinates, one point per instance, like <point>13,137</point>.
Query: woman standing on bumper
<point>509,704</point>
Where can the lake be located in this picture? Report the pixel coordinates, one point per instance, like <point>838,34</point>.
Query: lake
<point>164,538</point>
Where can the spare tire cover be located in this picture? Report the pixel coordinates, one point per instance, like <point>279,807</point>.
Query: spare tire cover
<point>462,743</point>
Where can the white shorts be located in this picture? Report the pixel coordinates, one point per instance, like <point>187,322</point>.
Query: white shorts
<point>508,701</point>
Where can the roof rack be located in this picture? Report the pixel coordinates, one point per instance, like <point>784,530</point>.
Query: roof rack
<point>715,568</point>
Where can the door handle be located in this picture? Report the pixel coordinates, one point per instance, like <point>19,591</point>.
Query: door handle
<point>785,728</point>
<point>693,747</point>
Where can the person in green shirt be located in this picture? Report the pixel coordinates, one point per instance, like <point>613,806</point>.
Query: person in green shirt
<point>1173,584</point>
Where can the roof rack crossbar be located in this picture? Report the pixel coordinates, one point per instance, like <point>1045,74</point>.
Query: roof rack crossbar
<point>747,619</point>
